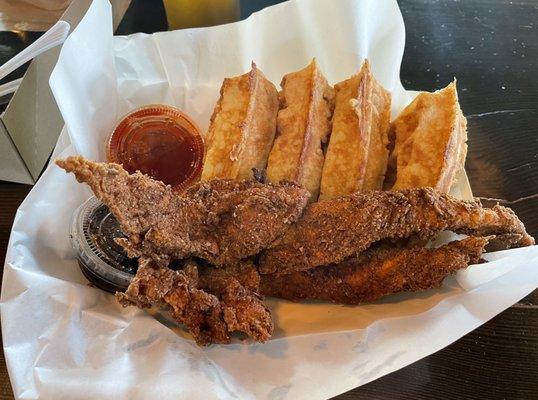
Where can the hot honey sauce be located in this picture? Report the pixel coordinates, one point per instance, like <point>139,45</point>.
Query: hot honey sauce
<point>160,141</point>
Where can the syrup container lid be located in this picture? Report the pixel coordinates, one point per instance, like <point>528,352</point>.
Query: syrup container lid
<point>103,262</point>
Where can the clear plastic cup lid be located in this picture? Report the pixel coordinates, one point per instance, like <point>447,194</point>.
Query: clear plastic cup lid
<point>101,259</point>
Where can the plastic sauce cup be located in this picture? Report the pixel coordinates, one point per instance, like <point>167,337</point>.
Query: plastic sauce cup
<point>160,141</point>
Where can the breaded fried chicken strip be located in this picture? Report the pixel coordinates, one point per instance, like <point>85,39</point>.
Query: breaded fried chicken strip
<point>333,230</point>
<point>376,273</point>
<point>221,221</point>
<point>215,280</point>
<point>210,318</point>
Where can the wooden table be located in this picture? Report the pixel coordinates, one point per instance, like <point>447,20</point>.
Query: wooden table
<point>491,47</point>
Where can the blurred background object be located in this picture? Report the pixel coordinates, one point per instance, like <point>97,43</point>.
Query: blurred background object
<point>189,14</point>
<point>40,15</point>
<point>30,15</point>
<point>149,16</point>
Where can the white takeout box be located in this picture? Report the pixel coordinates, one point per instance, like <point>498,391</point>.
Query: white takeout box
<point>31,124</point>
<point>64,339</point>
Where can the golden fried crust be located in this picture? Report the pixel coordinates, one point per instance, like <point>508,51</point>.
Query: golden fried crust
<point>333,230</point>
<point>225,221</point>
<point>176,292</point>
<point>303,124</point>
<point>215,280</point>
<point>376,273</point>
<point>221,221</point>
<point>357,154</point>
<point>242,127</point>
<point>430,141</point>
<point>210,317</point>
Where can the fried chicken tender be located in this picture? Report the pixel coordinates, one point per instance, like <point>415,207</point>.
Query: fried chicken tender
<point>507,241</point>
<point>214,280</point>
<point>221,221</point>
<point>303,126</point>
<point>333,230</point>
<point>376,273</point>
<point>175,291</point>
<point>357,154</point>
<point>210,318</point>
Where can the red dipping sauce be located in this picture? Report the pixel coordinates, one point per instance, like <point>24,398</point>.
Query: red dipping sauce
<point>159,141</point>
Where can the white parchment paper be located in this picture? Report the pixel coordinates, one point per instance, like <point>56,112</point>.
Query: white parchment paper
<point>66,340</point>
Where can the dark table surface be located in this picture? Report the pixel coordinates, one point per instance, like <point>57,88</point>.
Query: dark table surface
<point>491,47</point>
